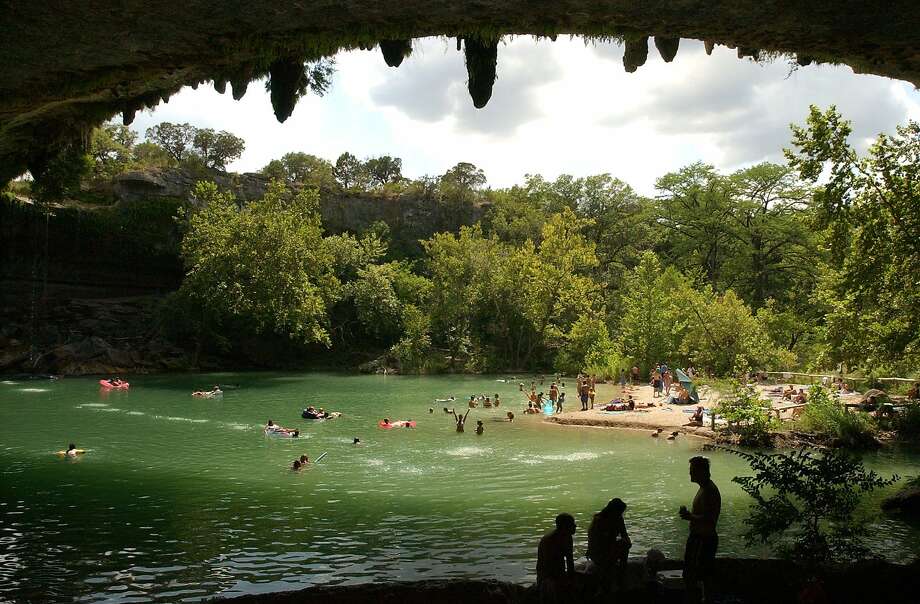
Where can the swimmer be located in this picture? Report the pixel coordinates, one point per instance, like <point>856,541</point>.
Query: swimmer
<point>479,427</point>
<point>430,410</point>
<point>72,451</point>
<point>304,460</point>
<point>510,416</point>
<point>497,401</point>
<point>296,465</point>
<point>473,402</point>
<point>386,421</point>
<point>356,441</point>
<point>461,420</point>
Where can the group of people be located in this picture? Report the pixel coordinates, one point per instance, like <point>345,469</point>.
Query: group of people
<point>609,545</point>
<point>487,401</point>
<point>799,398</point>
<point>300,463</point>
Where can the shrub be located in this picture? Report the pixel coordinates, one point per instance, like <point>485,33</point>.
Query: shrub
<point>907,423</point>
<point>805,503</point>
<point>826,417</point>
<point>748,415</point>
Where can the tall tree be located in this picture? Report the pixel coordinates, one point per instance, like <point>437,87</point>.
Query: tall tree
<point>217,149</point>
<point>175,139</point>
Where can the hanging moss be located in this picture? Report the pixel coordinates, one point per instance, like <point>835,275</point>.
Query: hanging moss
<point>804,60</point>
<point>709,45</point>
<point>220,84</point>
<point>667,47</point>
<point>286,79</point>
<point>481,62</point>
<point>635,53</point>
<point>394,51</point>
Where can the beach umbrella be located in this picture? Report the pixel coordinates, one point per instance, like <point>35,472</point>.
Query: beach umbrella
<point>687,383</point>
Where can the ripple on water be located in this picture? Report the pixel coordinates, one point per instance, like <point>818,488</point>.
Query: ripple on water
<point>471,451</point>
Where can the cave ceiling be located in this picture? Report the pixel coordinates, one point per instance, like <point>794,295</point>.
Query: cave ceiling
<point>66,66</point>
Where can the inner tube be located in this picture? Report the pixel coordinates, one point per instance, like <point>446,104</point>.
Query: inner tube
<point>106,384</point>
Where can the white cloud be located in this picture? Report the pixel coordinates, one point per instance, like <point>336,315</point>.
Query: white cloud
<point>562,107</point>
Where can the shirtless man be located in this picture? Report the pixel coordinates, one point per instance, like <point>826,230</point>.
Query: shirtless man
<point>556,563</point>
<point>461,420</point>
<point>700,552</point>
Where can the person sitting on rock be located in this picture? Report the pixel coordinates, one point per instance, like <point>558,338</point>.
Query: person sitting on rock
<point>556,562</point>
<point>609,544</point>
<point>801,398</point>
<point>788,393</point>
<point>697,417</point>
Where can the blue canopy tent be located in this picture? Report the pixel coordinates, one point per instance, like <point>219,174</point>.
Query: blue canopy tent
<point>687,383</point>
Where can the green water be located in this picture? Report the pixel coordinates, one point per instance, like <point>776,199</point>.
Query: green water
<point>182,499</point>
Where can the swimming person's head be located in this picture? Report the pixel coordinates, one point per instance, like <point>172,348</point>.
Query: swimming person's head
<point>271,423</point>
<point>296,465</point>
<point>479,422</point>
<point>356,441</point>
<point>304,459</point>
<point>71,447</point>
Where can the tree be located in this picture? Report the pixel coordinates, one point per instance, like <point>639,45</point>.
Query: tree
<point>59,175</point>
<point>868,210</point>
<point>465,177</point>
<point>217,149</point>
<point>112,149</point>
<point>348,170</point>
<point>303,169</point>
<point>804,502</point>
<point>384,169</point>
<point>147,154</point>
<point>175,139</point>
<point>266,263</point>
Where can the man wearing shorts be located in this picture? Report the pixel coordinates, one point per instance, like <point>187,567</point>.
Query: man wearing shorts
<point>703,541</point>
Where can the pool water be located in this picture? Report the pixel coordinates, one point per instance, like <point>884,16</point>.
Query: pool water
<point>184,499</point>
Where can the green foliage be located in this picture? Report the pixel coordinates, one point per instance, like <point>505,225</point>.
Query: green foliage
<point>828,418</point>
<point>748,416</point>
<point>302,169</point>
<point>187,144</point>
<point>59,177</point>
<point>868,208</point>
<point>805,501</point>
<point>112,149</point>
<point>175,139</point>
<point>907,423</point>
<point>265,262</point>
<point>348,171</point>
<point>217,149</point>
<point>383,170</point>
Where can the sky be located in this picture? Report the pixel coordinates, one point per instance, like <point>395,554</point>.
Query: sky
<point>563,107</point>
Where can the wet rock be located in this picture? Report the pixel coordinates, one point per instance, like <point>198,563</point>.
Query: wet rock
<point>667,47</point>
<point>635,53</point>
<point>906,501</point>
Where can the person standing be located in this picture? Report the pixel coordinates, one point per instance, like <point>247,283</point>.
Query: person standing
<point>703,541</point>
<point>553,393</point>
<point>556,562</point>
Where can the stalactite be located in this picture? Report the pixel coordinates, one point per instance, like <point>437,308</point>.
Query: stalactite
<point>667,47</point>
<point>481,62</point>
<point>394,51</point>
<point>286,77</point>
<point>635,53</point>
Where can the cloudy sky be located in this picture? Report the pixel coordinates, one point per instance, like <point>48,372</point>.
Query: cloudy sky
<point>557,107</point>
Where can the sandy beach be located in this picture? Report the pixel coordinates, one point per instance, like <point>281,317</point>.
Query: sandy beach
<point>670,418</point>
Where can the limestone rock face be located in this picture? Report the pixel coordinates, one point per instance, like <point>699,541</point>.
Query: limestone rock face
<point>138,185</point>
<point>667,47</point>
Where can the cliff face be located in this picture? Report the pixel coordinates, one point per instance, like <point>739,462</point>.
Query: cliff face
<point>81,285</point>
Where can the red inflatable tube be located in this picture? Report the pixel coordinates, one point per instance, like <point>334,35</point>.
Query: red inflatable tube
<point>110,386</point>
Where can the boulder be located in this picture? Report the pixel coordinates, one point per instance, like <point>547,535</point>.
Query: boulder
<point>906,501</point>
